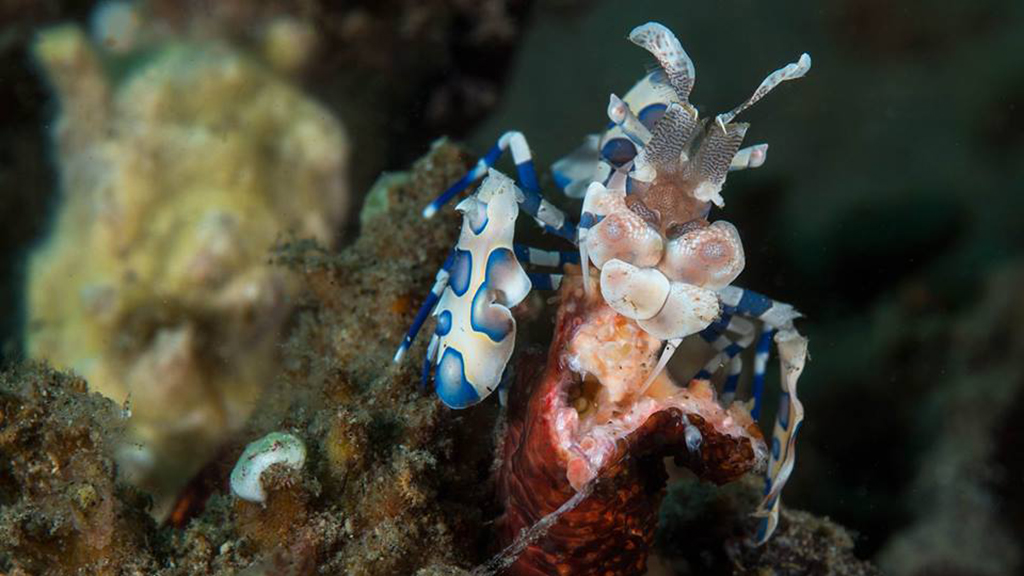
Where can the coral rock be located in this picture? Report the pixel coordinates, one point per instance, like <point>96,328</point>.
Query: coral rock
<point>155,283</point>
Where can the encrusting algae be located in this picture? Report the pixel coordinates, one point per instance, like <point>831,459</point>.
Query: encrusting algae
<point>177,177</point>
<point>64,509</point>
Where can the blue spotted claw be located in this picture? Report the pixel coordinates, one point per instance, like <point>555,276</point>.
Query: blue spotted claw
<point>475,331</point>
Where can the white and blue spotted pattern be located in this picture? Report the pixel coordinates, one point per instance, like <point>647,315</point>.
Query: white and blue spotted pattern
<point>652,130</point>
<point>475,330</point>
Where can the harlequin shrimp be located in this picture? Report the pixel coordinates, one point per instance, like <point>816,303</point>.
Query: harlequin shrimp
<point>664,273</point>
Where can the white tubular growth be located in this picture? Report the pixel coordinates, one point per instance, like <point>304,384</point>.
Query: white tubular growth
<point>274,448</point>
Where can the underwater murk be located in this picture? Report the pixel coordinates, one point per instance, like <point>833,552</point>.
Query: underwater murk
<point>460,288</point>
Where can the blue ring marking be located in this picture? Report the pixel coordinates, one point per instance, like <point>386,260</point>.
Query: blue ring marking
<point>710,334</point>
<point>650,115</point>
<point>492,155</point>
<point>561,180</point>
<point>731,383</point>
<point>522,252</point>
<point>722,322</point>
<point>733,349</point>
<point>541,281</point>
<point>425,309</point>
<point>776,448</point>
<point>461,270</point>
<point>531,201</point>
<point>483,225</point>
<point>444,323</point>
<point>793,438</point>
<point>425,373</point>
<point>474,173</point>
<point>528,175</point>
<point>567,231</point>
<point>784,411</point>
<point>703,375</point>
<point>618,151</point>
<point>450,381</point>
<point>482,300</point>
<point>757,386</point>
<point>754,304</point>
<point>588,219</point>
<point>762,530</point>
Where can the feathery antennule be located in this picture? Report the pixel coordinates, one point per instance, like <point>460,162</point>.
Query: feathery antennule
<point>714,158</point>
<point>791,71</point>
<point>665,47</point>
<point>671,135</point>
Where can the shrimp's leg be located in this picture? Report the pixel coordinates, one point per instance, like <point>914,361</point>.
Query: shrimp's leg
<point>550,258</point>
<point>778,319</point>
<point>761,356</point>
<point>545,281</point>
<point>729,350</point>
<point>440,283</point>
<point>428,361</point>
<point>547,214</point>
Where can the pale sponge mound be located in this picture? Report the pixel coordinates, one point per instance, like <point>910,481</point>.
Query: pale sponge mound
<point>155,282</point>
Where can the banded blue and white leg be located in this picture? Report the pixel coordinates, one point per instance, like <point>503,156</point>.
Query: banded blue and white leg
<point>549,258</point>
<point>778,318</point>
<point>792,357</point>
<point>550,217</point>
<point>440,283</point>
<point>547,282</point>
<point>761,355</point>
<point>728,351</point>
